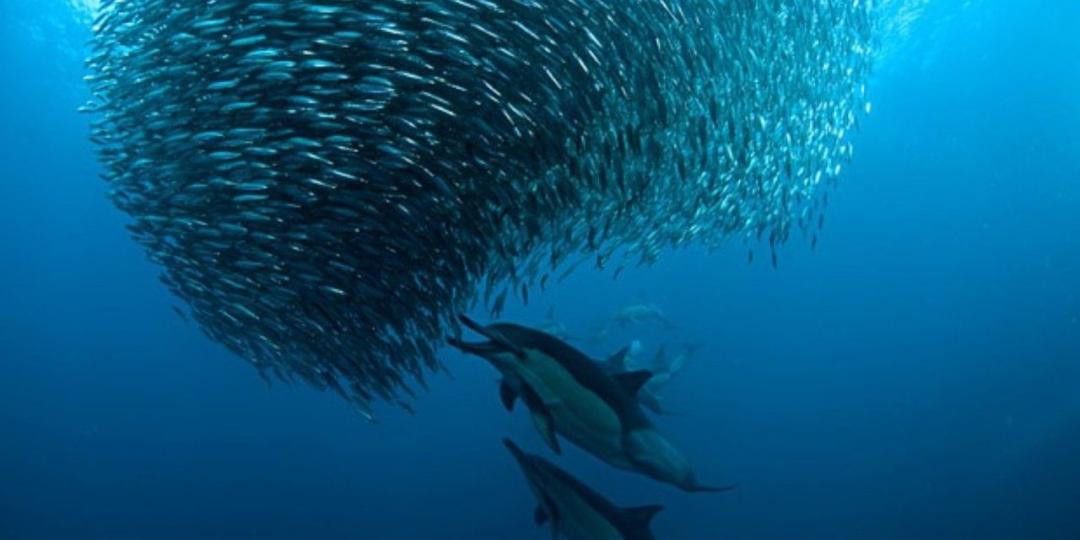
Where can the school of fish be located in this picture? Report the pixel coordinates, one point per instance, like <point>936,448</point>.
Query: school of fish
<point>327,183</point>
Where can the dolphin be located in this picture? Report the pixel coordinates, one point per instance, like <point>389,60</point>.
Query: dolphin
<point>569,394</point>
<point>664,368</point>
<point>619,363</point>
<point>555,327</point>
<point>639,313</point>
<point>574,509</point>
<point>676,364</point>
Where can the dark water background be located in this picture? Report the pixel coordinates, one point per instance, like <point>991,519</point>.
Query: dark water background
<point>917,376</point>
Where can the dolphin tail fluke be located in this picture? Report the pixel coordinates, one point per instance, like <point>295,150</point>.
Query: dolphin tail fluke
<point>663,411</point>
<point>702,488</point>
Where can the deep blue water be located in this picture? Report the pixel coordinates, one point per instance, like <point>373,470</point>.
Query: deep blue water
<point>918,375</point>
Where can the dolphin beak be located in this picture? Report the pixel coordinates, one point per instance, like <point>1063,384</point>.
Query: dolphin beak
<point>525,462</point>
<point>471,324</point>
<point>482,349</point>
<point>515,450</point>
<point>493,335</point>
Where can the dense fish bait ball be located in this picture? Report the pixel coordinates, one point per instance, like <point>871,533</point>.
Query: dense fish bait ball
<point>326,182</point>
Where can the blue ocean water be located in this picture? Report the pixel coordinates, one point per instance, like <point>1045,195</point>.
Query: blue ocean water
<point>917,375</point>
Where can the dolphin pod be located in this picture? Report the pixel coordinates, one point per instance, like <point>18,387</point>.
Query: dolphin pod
<point>569,394</point>
<point>325,183</point>
<point>599,409</point>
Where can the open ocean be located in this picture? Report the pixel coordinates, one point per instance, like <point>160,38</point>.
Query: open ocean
<point>916,375</point>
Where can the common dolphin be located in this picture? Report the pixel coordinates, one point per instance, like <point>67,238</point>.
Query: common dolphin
<point>570,394</point>
<point>632,314</point>
<point>620,363</point>
<point>664,367</point>
<point>639,313</point>
<point>667,366</point>
<point>555,327</point>
<point>575,510</point>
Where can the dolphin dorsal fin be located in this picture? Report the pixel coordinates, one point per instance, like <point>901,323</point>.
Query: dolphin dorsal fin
<point>642,516</point>
<point>632,381</point>
<point>617,361</point>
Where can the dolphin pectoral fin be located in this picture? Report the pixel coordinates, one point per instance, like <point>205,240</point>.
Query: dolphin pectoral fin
<point>546,427</point>
<point>641,516</point>
<point>540,516</point>
<point>507,394</point>
<point>552,513</point>
<point>632,381</point>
